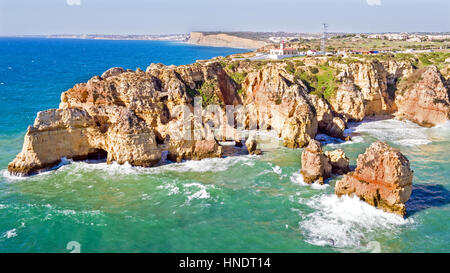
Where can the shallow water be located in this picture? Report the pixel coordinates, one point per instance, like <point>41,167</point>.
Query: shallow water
<point>239,203</point>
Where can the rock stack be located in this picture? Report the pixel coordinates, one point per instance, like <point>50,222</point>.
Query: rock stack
<point>318,166</point>
<point>382,178</point>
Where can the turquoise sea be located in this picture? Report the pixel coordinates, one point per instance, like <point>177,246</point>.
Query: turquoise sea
<point>239,203</point>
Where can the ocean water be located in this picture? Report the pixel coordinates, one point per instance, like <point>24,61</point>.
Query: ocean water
<point>239,203</point>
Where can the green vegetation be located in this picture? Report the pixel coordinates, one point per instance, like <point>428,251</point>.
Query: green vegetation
<point>231,66</point>
<point>238,77</point>
<point>191,92</point>
<point>208,93</point>
<point>321,80</point>
<point>207,90</point>
<point>433,58</point>
<point>278,100</point>
<point>290,68</point>
<point>299,63</point>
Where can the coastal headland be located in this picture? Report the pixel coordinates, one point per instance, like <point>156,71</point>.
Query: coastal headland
<point>135,116</point>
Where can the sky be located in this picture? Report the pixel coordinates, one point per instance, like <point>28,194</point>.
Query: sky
<point>30,17</point>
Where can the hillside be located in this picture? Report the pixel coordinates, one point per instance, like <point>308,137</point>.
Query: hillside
<point>224,40</point>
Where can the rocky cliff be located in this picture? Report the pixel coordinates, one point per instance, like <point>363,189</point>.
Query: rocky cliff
<point>133,116</point>
<point>424,97</point>
<point>224,40</point>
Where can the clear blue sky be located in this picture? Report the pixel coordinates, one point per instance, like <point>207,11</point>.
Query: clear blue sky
<point>18,17</point>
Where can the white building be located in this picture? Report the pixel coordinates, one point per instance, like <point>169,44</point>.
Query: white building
<point>312,52</point>
<point>283,52</point>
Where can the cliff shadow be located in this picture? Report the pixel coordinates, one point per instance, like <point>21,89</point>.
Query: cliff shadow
<point>425,196</point>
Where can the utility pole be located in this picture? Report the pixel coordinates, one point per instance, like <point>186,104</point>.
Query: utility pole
<point>324,38</point>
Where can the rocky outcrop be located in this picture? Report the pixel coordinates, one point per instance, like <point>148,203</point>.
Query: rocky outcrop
<point>327,121</point>
<point>251,145</point>
<point>316,166</point>
<point>126,116</point>
<point>223,40</point>
<point>349,102</point>
<point>339,161</point>
<point>133,116</point>
<point>424,98</point>
<point>382,178</point>
<point>368,87</point>
<point>193,150</point>
<point>276,101</point>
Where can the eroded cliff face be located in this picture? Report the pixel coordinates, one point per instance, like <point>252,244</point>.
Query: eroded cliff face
<point>223,39</point>
<point>278,102</point>
<point>424,98</point>
<point>368,87</point>
<point>127,115</point>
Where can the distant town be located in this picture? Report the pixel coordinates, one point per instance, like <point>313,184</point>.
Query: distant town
<point>279,45</point>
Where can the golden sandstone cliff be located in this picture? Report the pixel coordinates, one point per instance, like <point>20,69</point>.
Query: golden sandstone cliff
<point>133,116</point>
<point>223,40</point>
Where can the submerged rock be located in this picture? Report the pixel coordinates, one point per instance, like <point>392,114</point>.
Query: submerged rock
<point>382,178</point>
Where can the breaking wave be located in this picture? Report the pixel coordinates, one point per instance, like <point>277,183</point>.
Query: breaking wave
<point>200,166</point>
<point>347,222</point>
<point>297,178</point>
<point>404,133</point>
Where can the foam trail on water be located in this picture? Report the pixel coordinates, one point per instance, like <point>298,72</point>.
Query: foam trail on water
<point>297,178</point>
<point>404,133</point>
<point>346,222</point>
<point>201,166</point>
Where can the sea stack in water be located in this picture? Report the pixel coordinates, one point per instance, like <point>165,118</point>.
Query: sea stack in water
<point>382,178</point>
<point>316,166</point>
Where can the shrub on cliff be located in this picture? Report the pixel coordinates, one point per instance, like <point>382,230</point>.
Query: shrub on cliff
<point>238,77</point>
<point>208,93</point>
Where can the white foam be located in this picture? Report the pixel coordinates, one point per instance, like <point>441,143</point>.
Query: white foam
<point>171,187</point>
<point>277,169</point>
<point>201,193</point>
<point>297,178</point>
<point>346,222</point>
<point>10,177</point>
<point>204,165</point>
<point>405,133</point>
<point>445,125</point>
<point>10,233</point>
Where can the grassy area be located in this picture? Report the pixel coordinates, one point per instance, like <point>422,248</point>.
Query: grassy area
<point>434,58</point>
<point>321,80</point>
<point>208,92</point>
<point>238,77</point>
<point>361,43</point>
